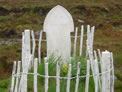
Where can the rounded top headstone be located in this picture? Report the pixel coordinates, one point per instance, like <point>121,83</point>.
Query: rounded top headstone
<point>58,18</point>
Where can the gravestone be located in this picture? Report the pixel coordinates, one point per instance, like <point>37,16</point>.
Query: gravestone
<point>58,25</point>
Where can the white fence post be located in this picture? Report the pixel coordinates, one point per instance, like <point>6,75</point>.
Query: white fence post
<point>46,77</point>
<point>87,41</point>
<point>35,74</point>
<point>112,62</point>
<point>39,48</point>
<point>105,67</point>
<point>92,37</point>
<point>58,78</point>
<point>69,78</point>
<point>77,78</point>
<point>81,40</point>
<point>96,75</point>
<point>13,76</point>
<point>27,43</point>
<point>24,75</point>
<point>95,55</point>
<point>99,53</point>
<point>26,62</point>
<point>87,76</point>
<point>92,63</point>
<point>23,48</point>
<point>20,84</point>
<point>17,76</point>
<point>75,41</point>
<point>34,45</point>
<point>97,66</point>
<point>100,85</point>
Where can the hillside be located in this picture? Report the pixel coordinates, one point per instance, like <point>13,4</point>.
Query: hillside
<point>17,15</point>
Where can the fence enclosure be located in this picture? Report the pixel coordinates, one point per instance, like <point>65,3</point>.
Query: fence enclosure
<point>104,80</point>
<point>99,66</point>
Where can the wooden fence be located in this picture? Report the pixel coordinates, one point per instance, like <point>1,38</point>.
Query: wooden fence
<point>99,66</point>
<point>103,81</point>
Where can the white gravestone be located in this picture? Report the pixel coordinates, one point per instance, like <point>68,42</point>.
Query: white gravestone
<point>58,25</point>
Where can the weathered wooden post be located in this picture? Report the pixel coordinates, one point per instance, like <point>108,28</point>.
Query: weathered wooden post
<point>105,63</point>
<point>75,42</point>
<point>33,47</point>
<point>17,76</point>
<point>35,72</point>
<point>81,40</point>
<point>13,77</point>
<point>39,48</point>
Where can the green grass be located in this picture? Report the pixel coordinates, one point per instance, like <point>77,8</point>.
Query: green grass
<point>106,15</point>
<point>5,85</point>
<point>63,73</point>
<point>27,15</point>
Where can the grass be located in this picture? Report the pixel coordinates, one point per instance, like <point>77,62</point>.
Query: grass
<point>31,15</point>
<point>63,73</point>
<point>18,15</point>
<point>8,53</point>
<point>5,84</point>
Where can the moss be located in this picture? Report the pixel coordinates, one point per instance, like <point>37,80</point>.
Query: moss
<point>4,83</point>
<point>9,53</point>
<point>118,75</point>
<point>4,18</point>
<point>118,85</point>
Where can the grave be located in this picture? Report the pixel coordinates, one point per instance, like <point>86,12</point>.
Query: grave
<point>58,26</point>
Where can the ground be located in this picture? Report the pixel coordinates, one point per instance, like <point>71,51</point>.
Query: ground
<point>17,15</point>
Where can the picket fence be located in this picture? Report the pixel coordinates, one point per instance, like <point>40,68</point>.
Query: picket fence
<point>101,65</point>
<point>104,80</point>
